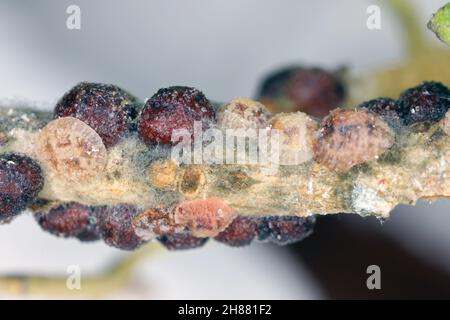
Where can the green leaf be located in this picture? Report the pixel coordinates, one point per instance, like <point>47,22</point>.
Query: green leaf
<point>440,24</point>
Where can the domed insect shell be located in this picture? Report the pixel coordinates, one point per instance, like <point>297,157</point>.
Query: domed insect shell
<point>69,220</point>
<point>386,108</point>
<point>21,180</point>
<point>71,150</point>
<point>312,90</point>
<point>284,230</point>
<point>170,109</point>
<point>116,226</point>
<point>243,113</point>
<point>350,137</point>
<point>425,103</point>
<point>296,131</point>
<point>107,109</point>
<point>240,232</point>
<point>204,217</point>
<point>241,122</point>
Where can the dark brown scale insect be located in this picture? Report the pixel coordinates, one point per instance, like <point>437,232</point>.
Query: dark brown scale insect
<point>20,182</point>
<point>311,90</point>
<point>240,232</point>
<point>181,241</point>
<point>107,109</point>
<point>315,91</point>
<point>428,102</point>
<point>284,230</point>
<point>115,223</point>
<point>170,109</point>
<point>70,220</point>
<point>387,108</point>
<point>274,84</point>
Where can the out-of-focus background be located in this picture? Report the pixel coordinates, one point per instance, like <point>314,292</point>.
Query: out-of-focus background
<point>224,48</point>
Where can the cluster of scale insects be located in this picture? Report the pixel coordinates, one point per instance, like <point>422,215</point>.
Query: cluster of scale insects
<point>343,139</point>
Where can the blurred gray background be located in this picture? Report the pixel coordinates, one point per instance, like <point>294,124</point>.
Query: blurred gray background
<point>223,48</point>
